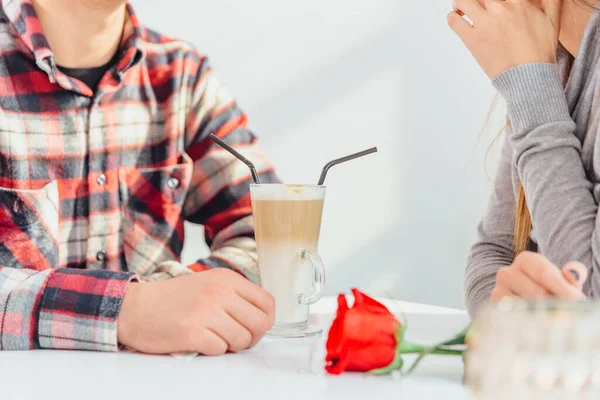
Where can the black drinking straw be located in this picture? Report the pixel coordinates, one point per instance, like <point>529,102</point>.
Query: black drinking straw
<point>343,160</point>
<point>238,156</point>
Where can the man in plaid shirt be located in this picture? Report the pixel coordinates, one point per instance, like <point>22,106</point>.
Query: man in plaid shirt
<point>104,153</point>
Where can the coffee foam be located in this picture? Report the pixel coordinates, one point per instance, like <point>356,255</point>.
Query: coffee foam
<point>288,192</point>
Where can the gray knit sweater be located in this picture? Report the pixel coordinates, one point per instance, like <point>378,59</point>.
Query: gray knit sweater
<point>554,149</point>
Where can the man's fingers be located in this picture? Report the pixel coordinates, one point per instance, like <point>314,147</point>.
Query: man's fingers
<point>547,275</point>
<point>520,284</point>
<point>256,295</point>
<point>255,309</point>
<point>252,318</point>
<point>231,331</point>
<point>210,343</point>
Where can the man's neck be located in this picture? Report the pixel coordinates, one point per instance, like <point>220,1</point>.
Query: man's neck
<point>574,21</point>
<point>82,34</point>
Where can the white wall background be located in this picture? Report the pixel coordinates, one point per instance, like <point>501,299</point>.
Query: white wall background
<point>323,78</point>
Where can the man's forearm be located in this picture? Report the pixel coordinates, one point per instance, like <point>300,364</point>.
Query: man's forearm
<point>60,308</point>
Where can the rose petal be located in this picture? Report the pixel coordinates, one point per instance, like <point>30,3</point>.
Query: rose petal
<point>361,338</point>
<point>342,304</point>
<point>337,363</point>
<point>370,358</point>
<point>335,338</point>
<point>361,328</point>
<point>363,300</point>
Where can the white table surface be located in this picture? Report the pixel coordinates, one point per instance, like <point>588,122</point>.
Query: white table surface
<point>285,369</point>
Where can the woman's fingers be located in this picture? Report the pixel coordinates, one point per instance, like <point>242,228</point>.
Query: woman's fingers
<point>460,26</point>
<point>552,8</point>
<point>575,273</point>
<point>500,292</point>
<point>520,284</point>
<point>472,8</point>
<point>533,276</point>
<point>547,275</point>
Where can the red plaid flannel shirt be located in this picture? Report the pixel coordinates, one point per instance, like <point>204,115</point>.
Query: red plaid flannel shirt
<point>95,187</point>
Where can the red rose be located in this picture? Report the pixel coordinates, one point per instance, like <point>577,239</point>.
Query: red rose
<point>362,338</point>
<point>368,338</point>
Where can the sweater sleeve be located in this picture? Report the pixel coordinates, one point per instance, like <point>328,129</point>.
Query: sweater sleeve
<point>493,248</point>
<point>547,155</point>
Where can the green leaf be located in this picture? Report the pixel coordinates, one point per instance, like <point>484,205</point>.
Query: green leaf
<point>396,365</point>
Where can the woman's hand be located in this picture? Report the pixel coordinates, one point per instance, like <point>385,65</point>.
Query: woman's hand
<point>507,33</point>
<point>532,276</point>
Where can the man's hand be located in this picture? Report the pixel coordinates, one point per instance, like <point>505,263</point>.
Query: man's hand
<point>210,313</point>
<point>508,33</point>
<point>532,276</point>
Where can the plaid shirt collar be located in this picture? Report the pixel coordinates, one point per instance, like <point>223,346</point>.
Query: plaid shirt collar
<point>28,28</point>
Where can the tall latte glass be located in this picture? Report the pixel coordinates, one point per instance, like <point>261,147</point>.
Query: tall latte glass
<point>287,221</point>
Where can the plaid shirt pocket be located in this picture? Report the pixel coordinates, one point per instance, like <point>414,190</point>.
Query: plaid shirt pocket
<point>29,227</point>
<point>152,223</point>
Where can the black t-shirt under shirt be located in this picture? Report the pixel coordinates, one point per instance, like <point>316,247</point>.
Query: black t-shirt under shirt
<point>89,76</point>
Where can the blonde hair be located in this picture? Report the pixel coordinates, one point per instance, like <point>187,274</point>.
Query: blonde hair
<point>522,232</point>
<point>522,223</point>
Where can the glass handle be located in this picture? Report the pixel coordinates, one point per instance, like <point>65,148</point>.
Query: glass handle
<point>319,278</point>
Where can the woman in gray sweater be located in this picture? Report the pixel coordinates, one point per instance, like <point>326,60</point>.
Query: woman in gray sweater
<point>541,233</point>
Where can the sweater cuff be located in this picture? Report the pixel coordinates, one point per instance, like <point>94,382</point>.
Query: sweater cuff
<point>534,95</point>
<point>79,309</point>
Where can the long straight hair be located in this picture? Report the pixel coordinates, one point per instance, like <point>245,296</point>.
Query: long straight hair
<point>522,232</point>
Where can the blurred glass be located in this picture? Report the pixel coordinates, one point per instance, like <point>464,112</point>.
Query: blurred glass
<point>547,349</point>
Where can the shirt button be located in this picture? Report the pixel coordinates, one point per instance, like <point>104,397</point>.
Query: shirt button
<point>173,183</point>
<point>101,255</point>
<point>101,180</point>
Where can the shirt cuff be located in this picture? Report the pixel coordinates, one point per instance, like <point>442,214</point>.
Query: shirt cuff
<point>198,267</point>
<point>218,261</point>
<point>79,309</point>
<point>534,95</point>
